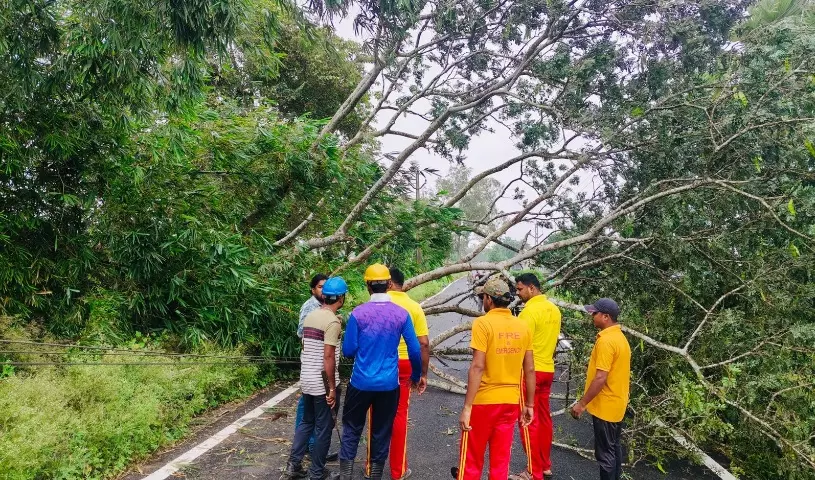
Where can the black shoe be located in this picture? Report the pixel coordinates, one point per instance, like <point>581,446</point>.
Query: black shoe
<point>332,457</point>
<point>294,472</point>
<point>377,470</point>
<point>328,475</point>
<point>346,469</point>
<point>454,472</point>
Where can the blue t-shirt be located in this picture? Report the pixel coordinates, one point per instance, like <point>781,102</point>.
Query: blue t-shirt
<point>372,340</point>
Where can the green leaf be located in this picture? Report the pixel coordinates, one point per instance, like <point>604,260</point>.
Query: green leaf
<point>794,251</point>
<point>757,161</point>
<point>810,146</point>
<point>791,207</point>
<point>741,97</point>
<point>661,468</point>
<point>637,112</point>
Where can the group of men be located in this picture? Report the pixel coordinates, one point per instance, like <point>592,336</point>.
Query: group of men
<point>509,380</point>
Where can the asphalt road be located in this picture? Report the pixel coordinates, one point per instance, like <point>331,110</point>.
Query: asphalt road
<point>260,449</point>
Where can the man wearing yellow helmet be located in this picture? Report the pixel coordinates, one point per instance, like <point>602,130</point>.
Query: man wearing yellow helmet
<point>398,449</point>
<point>372,339</point>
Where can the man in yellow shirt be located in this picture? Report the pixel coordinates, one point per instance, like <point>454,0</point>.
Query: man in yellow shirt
<point>502,352</point>
<point>607,387</point>
<point>398,450</point>
<point>543,319</point>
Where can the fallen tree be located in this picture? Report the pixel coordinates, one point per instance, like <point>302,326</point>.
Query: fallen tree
<point>664,147</point>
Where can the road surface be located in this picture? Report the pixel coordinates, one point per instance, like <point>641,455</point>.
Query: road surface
<point>259,450</point>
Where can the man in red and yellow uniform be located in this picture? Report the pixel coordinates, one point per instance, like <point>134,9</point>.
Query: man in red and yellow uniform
<point>607,387</point>
<point>502,351</point>
<point>398,450</point>
<point>543,319</point>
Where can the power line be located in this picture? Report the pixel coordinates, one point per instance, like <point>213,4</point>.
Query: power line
<point>100,364</point>
<point>138,354</point>
<point>92,350</point>
<point>120,351</point>
<point>179,363</point>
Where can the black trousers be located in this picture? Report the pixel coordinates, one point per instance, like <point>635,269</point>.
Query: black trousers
<point>317,421</point>
<point>608,449</point>
<point>357,403</point>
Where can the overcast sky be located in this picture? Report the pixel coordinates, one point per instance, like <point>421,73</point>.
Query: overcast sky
<point>485,151</point>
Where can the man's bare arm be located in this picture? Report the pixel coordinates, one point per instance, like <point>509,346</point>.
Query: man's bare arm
<point>424,343</point>
<point>330,365</point>
<point>473,382</point>
<point>596,385</point>
<point>529,377</point>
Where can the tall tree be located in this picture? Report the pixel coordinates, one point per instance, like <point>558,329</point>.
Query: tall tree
<point>629,116</point>
<point>478,206</point>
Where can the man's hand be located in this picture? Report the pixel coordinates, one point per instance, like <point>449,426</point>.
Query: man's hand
<point>576,410</point>
<point>331,398</point>
<point>464,419</point>
<point>527,416</point>
<point>421,386</point>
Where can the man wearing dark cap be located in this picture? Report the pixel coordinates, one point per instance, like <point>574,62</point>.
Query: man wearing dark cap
<point>607,384</point>
<point>502,353</point>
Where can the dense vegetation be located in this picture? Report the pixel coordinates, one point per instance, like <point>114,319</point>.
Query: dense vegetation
<point>177,170</point>
<point>151,154</point>
<point>145,182</point>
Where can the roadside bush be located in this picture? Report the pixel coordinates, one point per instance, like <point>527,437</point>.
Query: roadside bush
<point>93,421</point>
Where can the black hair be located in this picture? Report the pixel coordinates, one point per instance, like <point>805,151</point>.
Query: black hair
<point>378,286</point>
<point>317,279</point>
<point>501,302</point>
<point>331,300</point>
<point>397,277</point>
<point>529,279</point>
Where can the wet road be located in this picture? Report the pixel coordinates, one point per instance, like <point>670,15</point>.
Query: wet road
<point>260,449</point>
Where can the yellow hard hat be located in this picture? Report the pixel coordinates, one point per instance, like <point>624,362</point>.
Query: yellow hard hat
<point>377,272</point>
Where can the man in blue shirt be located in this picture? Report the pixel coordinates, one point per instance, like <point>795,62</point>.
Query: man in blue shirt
<point>372,339</point>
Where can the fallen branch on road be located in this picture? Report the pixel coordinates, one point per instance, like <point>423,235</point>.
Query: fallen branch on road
<point>446,387</point>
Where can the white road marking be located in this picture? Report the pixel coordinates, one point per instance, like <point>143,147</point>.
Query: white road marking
<point>187,457</point>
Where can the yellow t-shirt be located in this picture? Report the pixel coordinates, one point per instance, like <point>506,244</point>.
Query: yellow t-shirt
<point>543,319</point>
<point>416,315</point>
<point>505,340</point>
<point>612,354</point>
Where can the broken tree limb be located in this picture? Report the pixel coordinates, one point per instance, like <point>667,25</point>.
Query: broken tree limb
<point>464,327</point>
<point>446,386</point>
<point>447,377</point>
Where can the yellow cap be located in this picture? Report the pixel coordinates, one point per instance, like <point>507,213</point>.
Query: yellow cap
<point>377,272</point>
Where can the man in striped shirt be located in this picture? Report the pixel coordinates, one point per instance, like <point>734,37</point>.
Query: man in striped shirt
<point>321,337</point>
<point>313,303</point>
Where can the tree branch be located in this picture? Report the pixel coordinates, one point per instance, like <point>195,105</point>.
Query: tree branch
<point>708,313</point>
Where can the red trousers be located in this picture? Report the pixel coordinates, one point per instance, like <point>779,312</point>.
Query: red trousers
<point>537,437</point>
<point>398,450</point>
<point>493,425</point>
